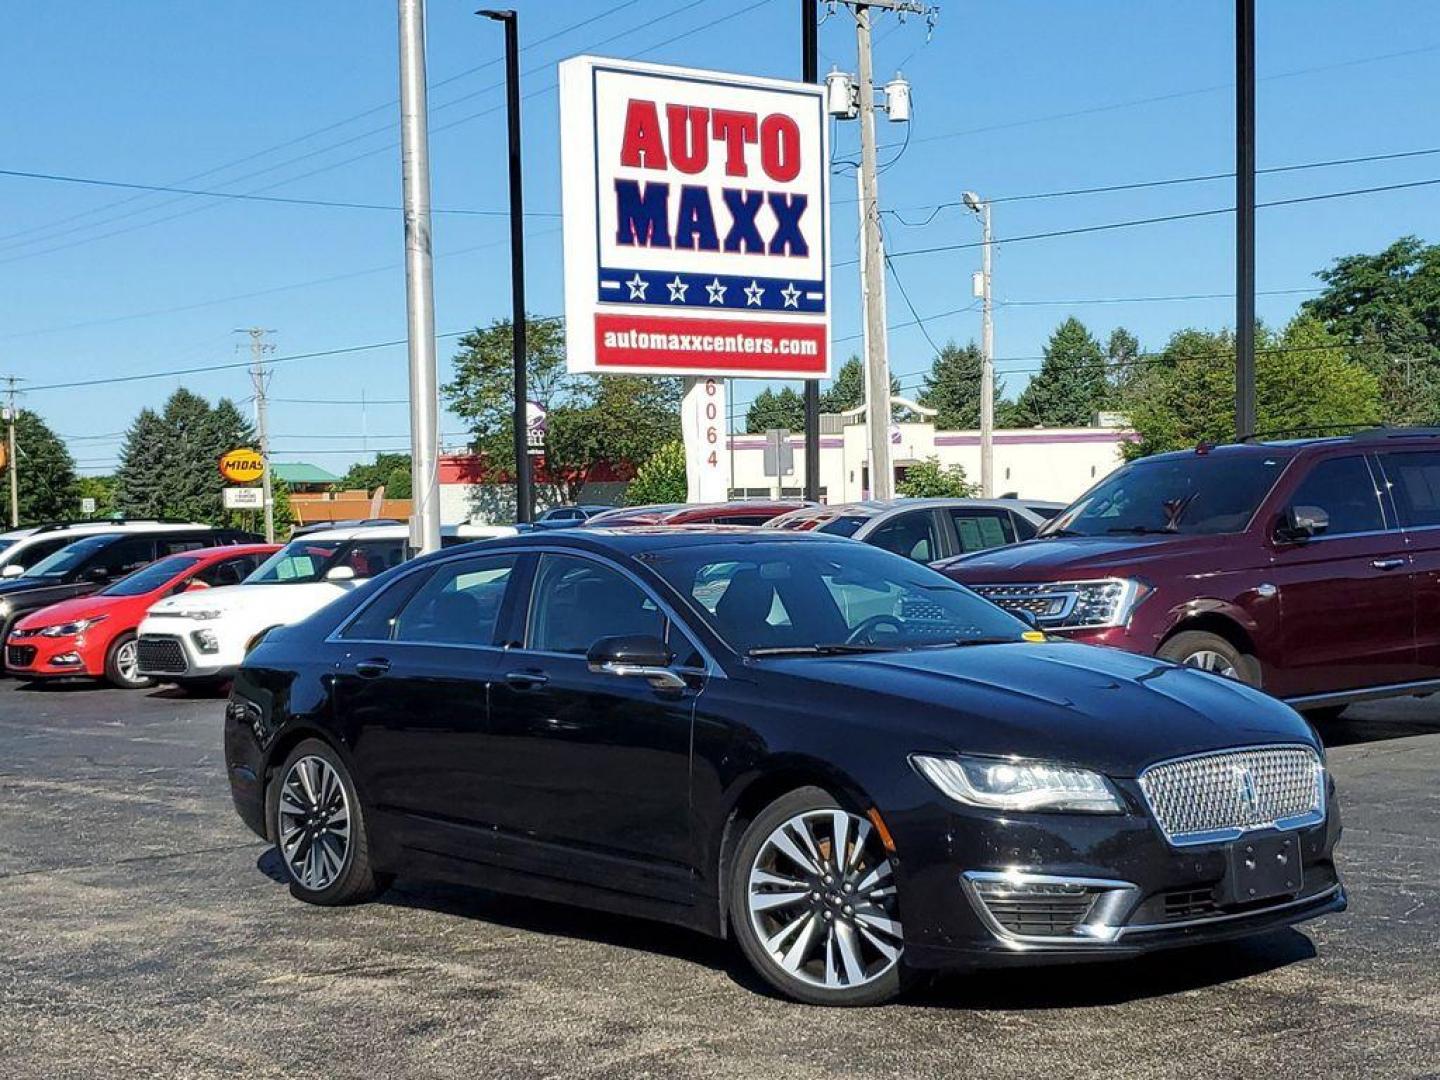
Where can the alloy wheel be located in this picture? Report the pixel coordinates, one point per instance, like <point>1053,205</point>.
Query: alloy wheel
<point>822,900</point>
<point>314,823</point>
<point>127,661</point>
<point>1211,661</point>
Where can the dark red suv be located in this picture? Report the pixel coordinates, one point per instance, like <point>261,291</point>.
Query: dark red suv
<point>1308,568</point>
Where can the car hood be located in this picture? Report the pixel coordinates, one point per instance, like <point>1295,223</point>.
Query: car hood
<point>1082,556</point>
<point>83,607</point>
<point>1098,708</point>
<point>276,604</point>
<point>26,584</point>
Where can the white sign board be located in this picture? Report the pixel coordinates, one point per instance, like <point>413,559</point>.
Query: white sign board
<point>87,505</point>
<point>696,216</point>
<point>244,498</point>
<point>707,459</point>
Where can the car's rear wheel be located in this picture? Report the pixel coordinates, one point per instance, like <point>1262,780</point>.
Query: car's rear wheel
<point>319,828</point>
<point>813,903</point>
<point>1208,652</point>
<point>122,664</point>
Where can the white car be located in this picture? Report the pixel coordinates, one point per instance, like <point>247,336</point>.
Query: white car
<point>22,548</point>
<point>198,639</point>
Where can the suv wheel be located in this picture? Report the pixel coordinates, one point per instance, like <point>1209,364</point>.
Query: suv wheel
<point>1208,652</point>
<point>122,665</point>
<point>813,903</point>
<point>319,828</point>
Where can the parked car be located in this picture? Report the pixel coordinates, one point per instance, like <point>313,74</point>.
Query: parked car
<point>1307,568</point>
<point>94,636</point>
<point>196,640</point>
<point>739,512</point>
<point>86,565</point>
<point>567,517</point>
<point>920,529</point>
<point>855,767</point>
<point>22,548</point>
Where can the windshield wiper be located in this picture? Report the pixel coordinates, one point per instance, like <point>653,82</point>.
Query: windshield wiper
<point>838,648</point>
<point>1145,530</point>
<point>956,643</point>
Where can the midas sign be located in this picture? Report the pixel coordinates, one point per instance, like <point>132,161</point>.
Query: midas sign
<point>696,222</point>
<point>242,465</point>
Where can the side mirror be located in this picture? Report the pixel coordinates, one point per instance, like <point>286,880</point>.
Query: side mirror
<point>11,570</point>
<point>635,656</point>
<point>340,573</point>
<point>1303,522</point>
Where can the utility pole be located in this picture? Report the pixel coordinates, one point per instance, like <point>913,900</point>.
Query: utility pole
<point>810,72</point>
<point>258,378</point>
<point>1244,218</point>
<point>12,456</point>
<point>419,281</point>
<point>877,362</point>
<point>524,500</point>
<point>987,349</point>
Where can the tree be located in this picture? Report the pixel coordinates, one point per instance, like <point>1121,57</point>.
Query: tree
<point>1122,355</point>
<point>771,410</point>
<point>1388,307</point>
<point>847,390</point>
<point>1070,386</point>
<point>953,387</point>
<point>46,474</point>
<point>929,479</point>
<point>661,479</point>
<point>390,471</point>
<point>1303,383</point>
<point>99,488</point>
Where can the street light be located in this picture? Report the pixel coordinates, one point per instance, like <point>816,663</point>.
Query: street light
<point>523,500</point>
<point>981,209</point>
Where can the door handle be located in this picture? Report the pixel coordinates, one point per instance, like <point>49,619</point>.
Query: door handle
<point>526,680</point>
<point>373,668</point>
<point>1387,564</point>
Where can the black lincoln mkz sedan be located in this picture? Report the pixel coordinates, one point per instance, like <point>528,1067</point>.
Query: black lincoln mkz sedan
<point>854,766</point>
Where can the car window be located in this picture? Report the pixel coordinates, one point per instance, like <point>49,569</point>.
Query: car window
<point>376,620</point>
<point>124,556</point>
<point>713,582</point>
<point>978,529</point>
<point>31,554</point>
<point>911,535</point>
<point>297,561</point>
<point>1024,528</point>
<point>227,571</point>
<point>173,545</point>
<point>371,557</point>
<point>576,602</point>
<point>743,519</point>
<point>151,577</point>
<point>1345,490</point>
<point>848,525</point>
<point>458,605</point>
<point>1415,485</point>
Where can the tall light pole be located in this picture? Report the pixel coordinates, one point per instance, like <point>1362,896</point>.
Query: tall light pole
<point>1244,218</point>
<point>419,281</point>
<point>987,350</point>
<point>12,456</point>
<point>810,72</point>
<point>524,500</point>
<point>258,349</point>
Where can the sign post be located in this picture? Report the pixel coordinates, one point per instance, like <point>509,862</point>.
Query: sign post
<point>696,217</point>
<point>243,498</point>
<point>702,422</point>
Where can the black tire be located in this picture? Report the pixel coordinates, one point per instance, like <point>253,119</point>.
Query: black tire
<point>113,673</point>
<point>881,989</point>
<point>1189,646</point>
<point>356,880</point>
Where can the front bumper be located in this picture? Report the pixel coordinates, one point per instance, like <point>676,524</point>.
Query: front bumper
<point>175,657</point>
<point>36,657</point>
<point>1046,888</point>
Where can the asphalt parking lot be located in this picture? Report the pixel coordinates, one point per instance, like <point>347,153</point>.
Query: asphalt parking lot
<point>144,932</point>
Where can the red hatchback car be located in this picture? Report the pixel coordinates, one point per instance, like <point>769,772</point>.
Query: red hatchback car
<point>94,636</point>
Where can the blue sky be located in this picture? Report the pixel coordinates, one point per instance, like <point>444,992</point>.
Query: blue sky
<point>297,100</point>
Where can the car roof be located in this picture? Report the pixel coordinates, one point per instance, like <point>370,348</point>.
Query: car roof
<point>90,528</point>
<point>870,508</point>
<point>402,532</point>
<point>634,540</point>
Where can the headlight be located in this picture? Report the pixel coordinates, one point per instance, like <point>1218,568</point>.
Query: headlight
<point>206,641</point>
<point>203,614</point>
<point>1070,605</point>
<point>72,629</point>
<point>1014,784</point>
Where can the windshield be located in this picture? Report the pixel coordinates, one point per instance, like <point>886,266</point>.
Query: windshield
<point>822,597</point>
<point>848,525</point>
<point>155,576</point>
<point>1196,494</point>
<point>69,557</point>
<point>297,561</point>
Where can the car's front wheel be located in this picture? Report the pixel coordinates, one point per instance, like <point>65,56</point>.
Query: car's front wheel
<point>319,828</point>
<point>122,665</point>
<point>1208,652</point>
<point>813,903</point>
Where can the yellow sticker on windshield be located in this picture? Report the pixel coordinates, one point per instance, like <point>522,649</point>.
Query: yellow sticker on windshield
<point>1032,635</point>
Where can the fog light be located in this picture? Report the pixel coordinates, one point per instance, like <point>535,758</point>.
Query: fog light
<point>66,659</point>
<point>206,641</point>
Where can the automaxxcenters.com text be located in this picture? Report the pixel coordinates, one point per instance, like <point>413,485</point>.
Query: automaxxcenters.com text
<point>708,343</point>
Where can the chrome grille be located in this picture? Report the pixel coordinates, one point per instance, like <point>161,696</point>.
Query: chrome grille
<point>161,655</point>
<point>1213,797</point>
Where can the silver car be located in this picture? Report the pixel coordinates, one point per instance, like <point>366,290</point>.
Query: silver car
<point>926,529</point>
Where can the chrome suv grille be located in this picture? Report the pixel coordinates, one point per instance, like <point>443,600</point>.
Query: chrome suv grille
<point>1214,797</point>
<point>162,655</point>
<point>1048,602</point>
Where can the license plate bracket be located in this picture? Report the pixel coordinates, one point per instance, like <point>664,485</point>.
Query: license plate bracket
<point>1263,866</point>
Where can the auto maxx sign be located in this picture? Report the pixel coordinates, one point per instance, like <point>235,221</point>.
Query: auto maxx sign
<point>696,213</point>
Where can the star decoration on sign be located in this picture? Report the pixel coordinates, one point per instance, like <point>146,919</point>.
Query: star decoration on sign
<point>677,289</point>
<point>753,294</point>
<point>716,291</point>
<point>791,295</point>
<point>638,285</point>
